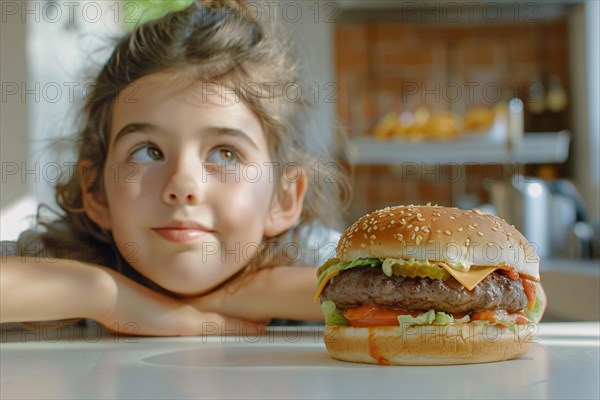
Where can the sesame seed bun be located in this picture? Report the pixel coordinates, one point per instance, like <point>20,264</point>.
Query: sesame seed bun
<point>428,345</point>
<point>458,237</point>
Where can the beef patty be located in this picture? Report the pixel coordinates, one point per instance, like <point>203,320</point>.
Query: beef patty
<point>369,285</point>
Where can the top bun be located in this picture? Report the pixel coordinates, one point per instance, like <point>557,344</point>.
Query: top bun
<point>458,237</point>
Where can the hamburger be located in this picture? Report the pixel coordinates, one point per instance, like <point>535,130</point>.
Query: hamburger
<point>430,285</point>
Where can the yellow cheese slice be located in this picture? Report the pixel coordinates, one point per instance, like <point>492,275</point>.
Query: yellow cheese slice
<point>324,283</point>
<point>469,279</point>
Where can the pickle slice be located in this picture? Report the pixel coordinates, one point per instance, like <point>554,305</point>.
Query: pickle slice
<point>414,269</point>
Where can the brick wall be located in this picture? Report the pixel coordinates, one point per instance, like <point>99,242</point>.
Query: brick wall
<point>387,66</point>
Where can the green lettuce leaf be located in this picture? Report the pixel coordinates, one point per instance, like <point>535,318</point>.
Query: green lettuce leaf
<point>422,319</point>
<point>343,265</point>
<point>445,319</point>
<point>333,316</point>
<point>534,315</point>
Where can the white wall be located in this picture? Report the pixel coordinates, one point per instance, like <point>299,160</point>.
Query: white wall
<point>592,24</point>
<point>585,106</point>
<point>311,27</point>
<point>47,49</point>
<point>13,111</point>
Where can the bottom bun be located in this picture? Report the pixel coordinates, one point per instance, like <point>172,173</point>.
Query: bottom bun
<point>428,344</point>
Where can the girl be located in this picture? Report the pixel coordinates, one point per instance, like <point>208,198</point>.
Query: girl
<point>191,195</point>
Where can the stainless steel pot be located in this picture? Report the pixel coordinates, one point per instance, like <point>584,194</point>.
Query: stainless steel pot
<point>546,212</point>
<point>525,203</point>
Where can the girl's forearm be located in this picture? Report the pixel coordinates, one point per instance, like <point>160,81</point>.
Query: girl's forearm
<point>281,292</point>
<point>292,290</point>
<point>39,290</point>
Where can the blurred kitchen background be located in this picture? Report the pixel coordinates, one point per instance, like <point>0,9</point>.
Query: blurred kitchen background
<point>488,104</point>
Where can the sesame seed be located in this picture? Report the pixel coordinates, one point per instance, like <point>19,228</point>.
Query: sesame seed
<point>416,229</point>
<point>452,217</point>
<point>409,226</point>
<point>494,229</point>
<point>460,229</point>
<point>418,241</point>
<point>412,237</point>
<point>438,231</point>
<point>392,222</point>
<point>447,232</point>
<point>373,237</point>
<point>362,245</point>
<point>425,229</point>
<point>467,242</point>
<point>480,233</point>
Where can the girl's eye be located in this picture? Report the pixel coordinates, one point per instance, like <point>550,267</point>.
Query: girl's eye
<point>147,153</point>
<point>222,155</point>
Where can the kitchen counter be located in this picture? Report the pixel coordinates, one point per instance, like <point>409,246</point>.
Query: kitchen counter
<point>289,362</point>
<point>573,289</point>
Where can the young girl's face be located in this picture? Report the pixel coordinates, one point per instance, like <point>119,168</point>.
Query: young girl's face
<point>188,183</point>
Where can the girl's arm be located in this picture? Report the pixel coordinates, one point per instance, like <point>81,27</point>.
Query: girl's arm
<point>280,292</point>
<point>33,290</point>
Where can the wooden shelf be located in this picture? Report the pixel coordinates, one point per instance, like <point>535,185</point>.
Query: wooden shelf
<point>535,148</point>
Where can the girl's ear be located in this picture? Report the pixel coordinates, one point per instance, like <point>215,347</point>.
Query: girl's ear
<point>94,202</point>
<point>287,206</point>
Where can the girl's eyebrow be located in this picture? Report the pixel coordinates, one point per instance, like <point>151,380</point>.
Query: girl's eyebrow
<point>236,133</point>
<point>134,127</point>
<point>212,131</point>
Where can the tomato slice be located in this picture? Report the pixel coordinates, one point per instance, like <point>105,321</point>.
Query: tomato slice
<point>510,272</point>
<point>370,315</point>
<point>529,288</point>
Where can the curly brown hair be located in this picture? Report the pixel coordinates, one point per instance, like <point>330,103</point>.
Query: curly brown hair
<point>214,42</point>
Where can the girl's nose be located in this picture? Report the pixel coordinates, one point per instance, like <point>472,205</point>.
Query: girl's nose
<point>182,189</point>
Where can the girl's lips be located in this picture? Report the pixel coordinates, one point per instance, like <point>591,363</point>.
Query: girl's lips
<point>181,235</point>
<point>183,231</point>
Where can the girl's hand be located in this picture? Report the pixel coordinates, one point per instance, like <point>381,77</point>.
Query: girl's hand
<point>133,309</point>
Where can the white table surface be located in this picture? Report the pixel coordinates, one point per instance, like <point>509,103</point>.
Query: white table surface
<point>287,363</point>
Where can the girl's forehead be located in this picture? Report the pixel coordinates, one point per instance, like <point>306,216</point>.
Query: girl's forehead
<point>164,85</point>
<point>161,95</point>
